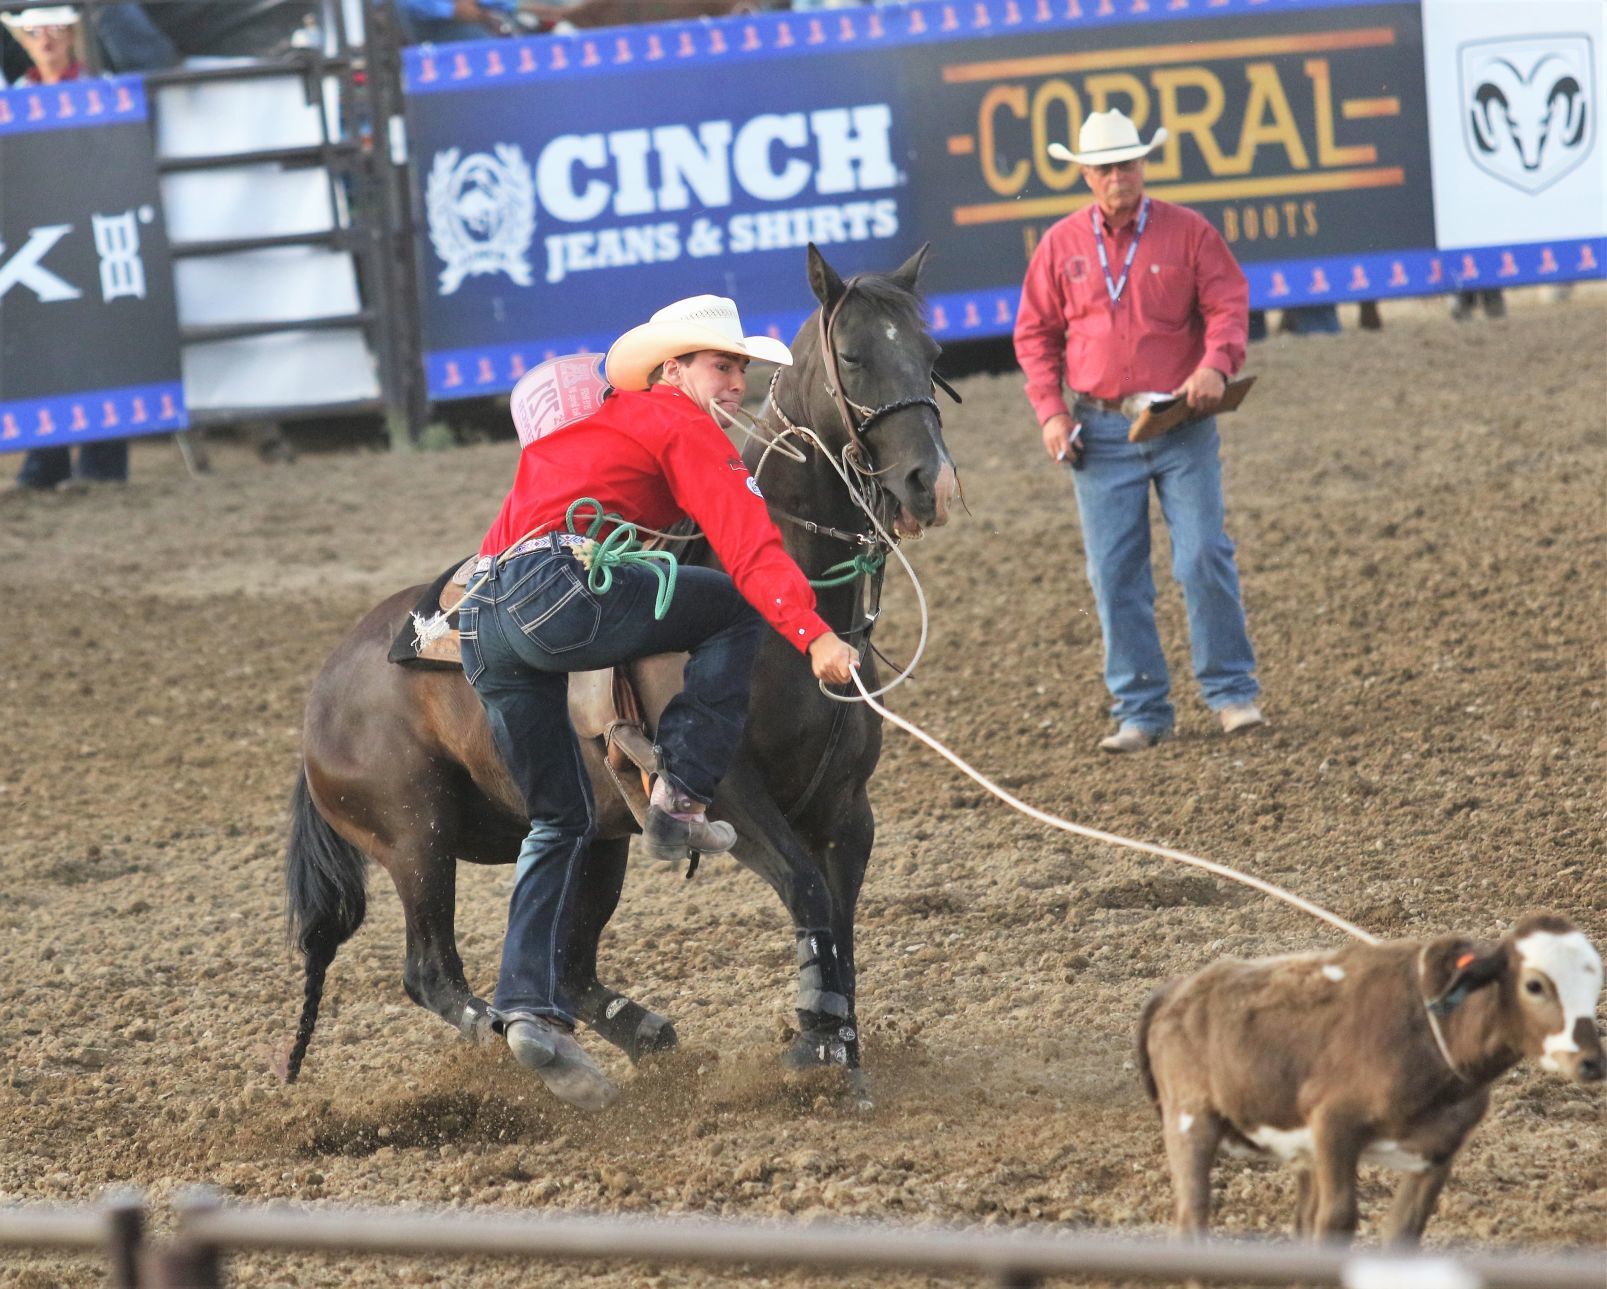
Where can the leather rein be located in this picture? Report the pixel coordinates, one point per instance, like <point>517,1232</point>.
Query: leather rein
<point>857,421</point>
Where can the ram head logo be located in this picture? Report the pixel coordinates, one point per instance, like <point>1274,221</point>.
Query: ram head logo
<point>1529,107</point>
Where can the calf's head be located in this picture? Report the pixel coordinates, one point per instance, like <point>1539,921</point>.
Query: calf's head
<point>1550,977</point>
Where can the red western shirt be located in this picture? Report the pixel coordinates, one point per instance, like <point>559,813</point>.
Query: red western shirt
<point>656,458</point>
<point>74,70</point>
<point>1185,305</point>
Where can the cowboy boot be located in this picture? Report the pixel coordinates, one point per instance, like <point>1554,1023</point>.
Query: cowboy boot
<point>677,825</point>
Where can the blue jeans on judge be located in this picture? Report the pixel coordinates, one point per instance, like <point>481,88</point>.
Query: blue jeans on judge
<point>1113,502</point>
<point>529,624</point>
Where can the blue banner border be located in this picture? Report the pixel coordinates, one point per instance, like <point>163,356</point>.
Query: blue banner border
<point>432,69</point>
<point>978,315</point>
<point>65,419</point>
<point>72,105</point>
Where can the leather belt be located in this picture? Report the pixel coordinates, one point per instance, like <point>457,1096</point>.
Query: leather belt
<point>1130,406</point>
<point>546,542</point>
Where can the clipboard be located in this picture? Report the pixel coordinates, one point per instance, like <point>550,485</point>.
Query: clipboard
<point>1168,413</point>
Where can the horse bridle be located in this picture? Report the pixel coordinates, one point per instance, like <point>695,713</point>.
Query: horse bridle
<point>858,454</point>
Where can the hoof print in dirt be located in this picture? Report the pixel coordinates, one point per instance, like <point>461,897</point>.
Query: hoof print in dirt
<point>1187,891</point>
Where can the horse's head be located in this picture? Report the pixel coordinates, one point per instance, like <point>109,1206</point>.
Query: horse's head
<point>863,381</point>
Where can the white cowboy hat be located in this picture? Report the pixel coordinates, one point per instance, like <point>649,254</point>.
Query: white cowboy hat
<point>1106,138</point>
<point>687,326</point>
<point>54,15</point>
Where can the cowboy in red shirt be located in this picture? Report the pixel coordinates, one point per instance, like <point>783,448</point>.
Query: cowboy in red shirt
<point>653,454</point>
<point>1128,300</point>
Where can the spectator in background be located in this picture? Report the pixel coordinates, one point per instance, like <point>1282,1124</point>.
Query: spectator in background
<point>1124,299</point>
<point>440,22</point>
<point>1315,319</point>
<point>129,41</point>
<point>1311,320</point>
<point>49,36</point>
<point>444,21</point>
<point>146,36</point>
<point>1465,303</point>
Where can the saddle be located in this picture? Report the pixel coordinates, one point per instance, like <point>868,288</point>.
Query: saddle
<point>604,705</point>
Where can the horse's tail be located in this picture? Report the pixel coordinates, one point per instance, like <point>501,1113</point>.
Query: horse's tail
<point>326,898</point>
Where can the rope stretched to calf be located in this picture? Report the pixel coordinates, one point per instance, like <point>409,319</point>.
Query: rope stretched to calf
<point>1042,816</point>
<point>1096,834</point>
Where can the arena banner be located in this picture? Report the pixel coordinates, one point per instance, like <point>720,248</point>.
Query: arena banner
<point>569,185</point>
<point>1517,92</point>
<point>89,344</point>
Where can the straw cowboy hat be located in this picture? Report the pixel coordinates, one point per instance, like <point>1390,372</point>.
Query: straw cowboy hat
<point>685,327</point>
<point>54,15</point>
<point>1106,138</point>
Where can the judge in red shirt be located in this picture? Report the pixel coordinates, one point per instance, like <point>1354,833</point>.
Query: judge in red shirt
<point>1126,299</point>
<point>653,453</point>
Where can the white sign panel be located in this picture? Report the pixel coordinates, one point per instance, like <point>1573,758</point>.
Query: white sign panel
<point>1514,97</point>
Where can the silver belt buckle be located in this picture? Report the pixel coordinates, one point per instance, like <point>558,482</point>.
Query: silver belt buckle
<point>1134,404</point>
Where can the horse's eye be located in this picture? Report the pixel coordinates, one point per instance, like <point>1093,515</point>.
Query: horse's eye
<point>850,359</point>
<point>1535,988</point>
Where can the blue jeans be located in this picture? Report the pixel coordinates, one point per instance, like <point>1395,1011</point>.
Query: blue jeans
<point>528,625</point>
<point>102,460</point>
<point>1311,320</point>
<point>1113,501</point>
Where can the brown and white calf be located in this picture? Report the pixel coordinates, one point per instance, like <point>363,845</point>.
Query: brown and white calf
<point>1379,1054</point>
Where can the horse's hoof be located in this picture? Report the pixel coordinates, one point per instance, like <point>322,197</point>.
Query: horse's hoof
<point>823,1049</point>
<point>475,1024</point>
<point>654,1034</point>
<point>632,1028</point>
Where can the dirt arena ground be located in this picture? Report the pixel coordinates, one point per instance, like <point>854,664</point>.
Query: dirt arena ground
<point>1419,516</point>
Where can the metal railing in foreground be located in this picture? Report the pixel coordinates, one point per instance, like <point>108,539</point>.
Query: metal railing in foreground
<point>207,1229</point>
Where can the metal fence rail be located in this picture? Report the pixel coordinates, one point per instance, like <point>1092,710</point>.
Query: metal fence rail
<point>206,1230</point>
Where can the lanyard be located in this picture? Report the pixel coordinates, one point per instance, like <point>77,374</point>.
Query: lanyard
<point>1116,288</point>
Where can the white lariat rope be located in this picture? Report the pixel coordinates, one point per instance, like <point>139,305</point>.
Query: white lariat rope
<point>1096,834</point>
<point>869,697</point>
<point>1433,1020</point>
<point>809,436</point>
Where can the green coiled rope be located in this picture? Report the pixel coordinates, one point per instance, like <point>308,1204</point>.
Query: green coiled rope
<point>864,564</point>
<point>600,556</point>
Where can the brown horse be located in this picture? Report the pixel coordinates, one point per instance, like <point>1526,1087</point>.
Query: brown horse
<point>399,764</point>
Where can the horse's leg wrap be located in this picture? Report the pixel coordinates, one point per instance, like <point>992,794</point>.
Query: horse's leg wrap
<point>827,1033</point>
<point>820,975</point>
<point>628,1026</point>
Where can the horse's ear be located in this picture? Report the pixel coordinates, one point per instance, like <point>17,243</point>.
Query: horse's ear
<point>823,279</point>
<point>909,272</point>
